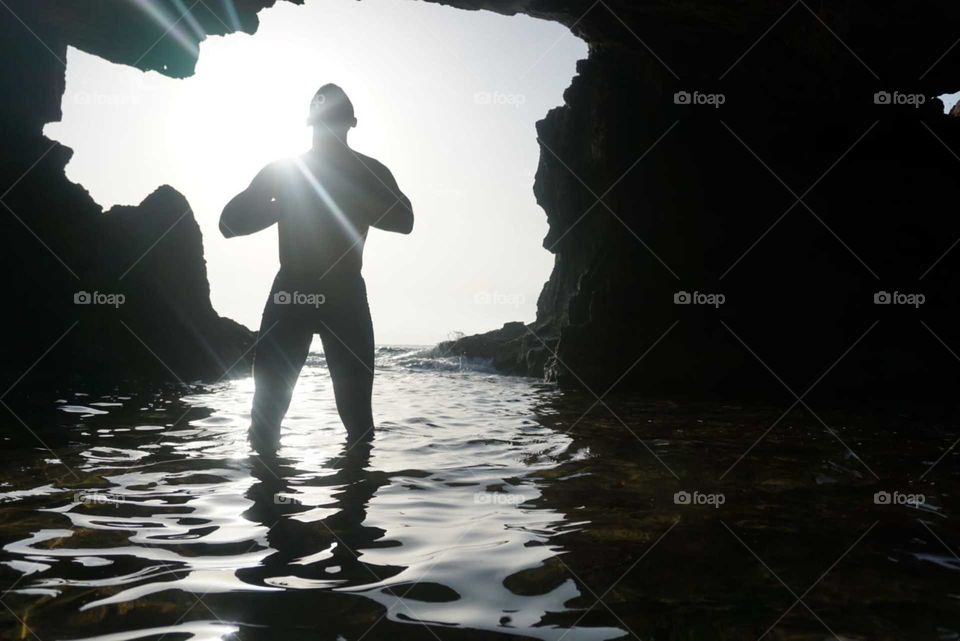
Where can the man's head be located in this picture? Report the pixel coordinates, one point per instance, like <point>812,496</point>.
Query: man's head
<point>331,111</point>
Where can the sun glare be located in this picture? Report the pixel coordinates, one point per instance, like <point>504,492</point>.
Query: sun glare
<point>447,99</point>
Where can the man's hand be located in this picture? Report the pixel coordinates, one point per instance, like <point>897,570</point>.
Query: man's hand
<point>390,207</point>
<point>255,208</point>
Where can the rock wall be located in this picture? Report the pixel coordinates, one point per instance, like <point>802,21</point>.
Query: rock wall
<point>798,189</point>
<point>93,298</point>
<point>798,199</point>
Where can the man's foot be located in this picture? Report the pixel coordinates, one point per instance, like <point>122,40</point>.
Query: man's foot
<point>360,436</point>
<point>264,441</point>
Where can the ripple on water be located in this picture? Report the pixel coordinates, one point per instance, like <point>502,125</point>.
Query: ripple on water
<point>474,511</point>
<point>427,524</point>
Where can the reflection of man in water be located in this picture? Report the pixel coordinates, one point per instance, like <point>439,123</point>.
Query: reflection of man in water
<point>311,552</point>
<point>323,202</point>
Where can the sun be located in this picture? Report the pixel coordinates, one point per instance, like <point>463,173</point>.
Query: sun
<point>221,108</point>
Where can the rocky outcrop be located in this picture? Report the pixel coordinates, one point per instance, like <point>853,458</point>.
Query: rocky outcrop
<point>149,258</point>
<point>107,297</point>
<point>512,349</point>
<point>94,297</point>
<point>813,177</point>
<point>787,156</point>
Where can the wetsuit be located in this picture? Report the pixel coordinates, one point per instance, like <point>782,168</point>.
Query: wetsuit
<point>323,203</point>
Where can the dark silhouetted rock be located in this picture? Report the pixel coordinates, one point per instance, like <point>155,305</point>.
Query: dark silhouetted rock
<point>152,255</point>
<point>58,244</point>
<point>512,349</point>
<point>704,199</point>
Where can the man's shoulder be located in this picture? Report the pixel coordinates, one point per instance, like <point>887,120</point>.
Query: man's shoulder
<point>276,169</point>
<point>372,164</point>
<point>281,165</point>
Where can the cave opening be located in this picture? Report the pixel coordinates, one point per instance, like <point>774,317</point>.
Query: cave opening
<point>447,98</point>
<point>949,101</point>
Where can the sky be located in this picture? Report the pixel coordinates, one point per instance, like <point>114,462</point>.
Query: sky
<point>446,98</point>
<point>949,100</point>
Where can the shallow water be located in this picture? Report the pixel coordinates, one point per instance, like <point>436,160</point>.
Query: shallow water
<point>487,507</point>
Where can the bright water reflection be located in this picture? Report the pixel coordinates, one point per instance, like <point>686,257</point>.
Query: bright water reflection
<point>423,525</point>
<point>487,507</point>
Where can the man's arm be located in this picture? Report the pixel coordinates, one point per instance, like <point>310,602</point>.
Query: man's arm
<point>254,208</point>
<point>390,208</point>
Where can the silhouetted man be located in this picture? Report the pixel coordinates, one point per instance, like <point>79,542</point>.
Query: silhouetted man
<point>323,202</point>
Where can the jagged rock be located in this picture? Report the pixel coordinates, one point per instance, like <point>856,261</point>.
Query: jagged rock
<point>59,246</point>
<point>515,348</point>
<point>152,255</point>
<point>57,243</point>
<point>681,218</point>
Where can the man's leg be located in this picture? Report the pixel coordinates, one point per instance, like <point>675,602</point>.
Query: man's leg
<point>279,357</point>
<point>348,347</point>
